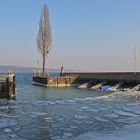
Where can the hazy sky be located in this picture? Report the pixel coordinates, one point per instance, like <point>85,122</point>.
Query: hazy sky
<point>91,35</point>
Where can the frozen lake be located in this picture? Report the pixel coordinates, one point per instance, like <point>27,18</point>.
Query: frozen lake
<point>41,113</point>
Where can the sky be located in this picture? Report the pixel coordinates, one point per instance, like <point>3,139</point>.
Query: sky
<point>87,35</point>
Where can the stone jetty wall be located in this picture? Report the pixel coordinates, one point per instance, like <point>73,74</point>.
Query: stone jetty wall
<point>75,79</point>
<point>112,76</point>
<point>65,81</point>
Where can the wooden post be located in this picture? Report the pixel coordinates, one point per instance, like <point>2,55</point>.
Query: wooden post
<point>11,86</point>
<point>14,86</point>
<point>8,87</point>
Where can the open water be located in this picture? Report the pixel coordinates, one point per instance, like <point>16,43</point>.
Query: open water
<point>41,113</point>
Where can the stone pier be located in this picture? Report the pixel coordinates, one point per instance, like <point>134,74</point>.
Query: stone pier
<point>76,79</point>
<point>65,81</point>
<point>8,86</point>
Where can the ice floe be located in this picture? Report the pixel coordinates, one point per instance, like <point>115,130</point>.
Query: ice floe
<point>4,122</point>
<point>81,117</point>
<point>12,135</point>
<point>48,119</point>
<point>88,109</point>
<point>111,115</point>
<point>7,130</point>
<point>92,110</point>
<point>124,113</point>
<point>103,108</point>
<point>129,120</point>
<point>117,95</point>
<point>100,119</point>
<point>131,104</point>
<point>74,127</point>
<point>133,109</point>
<point>67,134</point>
<point>4,107</point>
<point>9,116</point>
<point>69,102</point>
<point>35,114</point>
<point>56,138</point>
<point>84,107</point>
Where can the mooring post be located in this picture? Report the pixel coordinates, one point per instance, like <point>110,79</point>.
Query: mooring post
<point>8,86</point>
<point>11,86</point>
<point>14,86</point>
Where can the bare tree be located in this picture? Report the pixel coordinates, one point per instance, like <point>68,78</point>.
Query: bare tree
<point>44,37</point>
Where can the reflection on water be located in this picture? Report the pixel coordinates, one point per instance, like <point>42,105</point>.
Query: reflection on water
<point>41,113</point>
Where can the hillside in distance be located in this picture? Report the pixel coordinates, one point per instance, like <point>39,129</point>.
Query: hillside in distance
<point>21,69</point>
